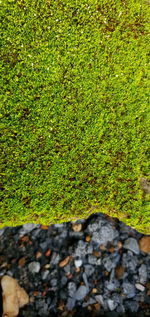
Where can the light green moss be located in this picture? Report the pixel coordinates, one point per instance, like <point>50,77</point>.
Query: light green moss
<point>75,110</point>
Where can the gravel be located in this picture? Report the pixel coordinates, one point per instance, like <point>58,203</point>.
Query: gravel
<point>93,267</point>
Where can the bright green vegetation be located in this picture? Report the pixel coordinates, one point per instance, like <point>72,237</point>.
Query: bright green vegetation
<point>74,110</point>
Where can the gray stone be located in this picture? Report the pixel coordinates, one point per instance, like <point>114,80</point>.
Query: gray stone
<point>44,245</point>
<point>99,299</point>
<point>63,234</point>
<point>63,293</point>
<point>132,265</point>
<point>129,262</point>
<point>2,231</point>
<point>54,273</point>
<point>89,269</point>
<point>125,229</point>
<point>48,300</point>
<point>43,311</point>
<point>132,245</point>
<point>117,298</point>
<point>99,261</point>
<point>108,263</point>
<point>83,248</point>
<point>86,281</point>
<point>59,225</point>
<point>45,274</point>
<point>80,250</point>
<point>53,304</point>
<point>111,304</point>
<point>142,274</point>
<point>92,259</point>
<point>102,221</point>
<point>40,304</point>
<point>105,234</point>
<point>2,272</point>
<point>71,289</point>
<point>34,267</point>
<point>120,309</point>
<point>91,301</point>
<point>53,282</point>
<point>89,249</point>
<point>58,243</point>
<point>111,286</point>
<point>30,226</point>
<point>93,227</point>
<point>112,275</point>
<point>76,235</point>
<point>115,258</point>
<point>70,303</point>
<point>128,290</point>
<point>64,280</point>
<point>42,308</point>
<point>35,233</point>
<point>9,273</point>
<point>81,292</point>
<point>55,258</point>
<point>67,268</point>
<point>27,227</point>
<point>133,306</point>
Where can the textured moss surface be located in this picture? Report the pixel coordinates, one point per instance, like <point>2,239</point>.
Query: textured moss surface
<point>75,110</point>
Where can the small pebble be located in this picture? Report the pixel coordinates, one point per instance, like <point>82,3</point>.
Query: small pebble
<point>140,287</point>
<point>34,267</point>
<point>76,227</point>
<point>78,263</point>
<point>64,262</point>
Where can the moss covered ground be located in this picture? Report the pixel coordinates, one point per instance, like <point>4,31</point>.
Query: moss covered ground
<point>75,110</point>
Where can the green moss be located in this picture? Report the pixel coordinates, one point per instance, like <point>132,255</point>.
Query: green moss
<point>75,110</point>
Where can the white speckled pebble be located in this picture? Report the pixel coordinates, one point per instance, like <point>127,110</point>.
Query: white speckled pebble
<point>140,287</point>
<point>78,263</point>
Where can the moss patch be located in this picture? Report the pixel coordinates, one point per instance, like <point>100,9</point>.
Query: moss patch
<point>75,110</point>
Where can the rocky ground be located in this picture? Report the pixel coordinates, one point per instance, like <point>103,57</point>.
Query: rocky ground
<point>92,267</point>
